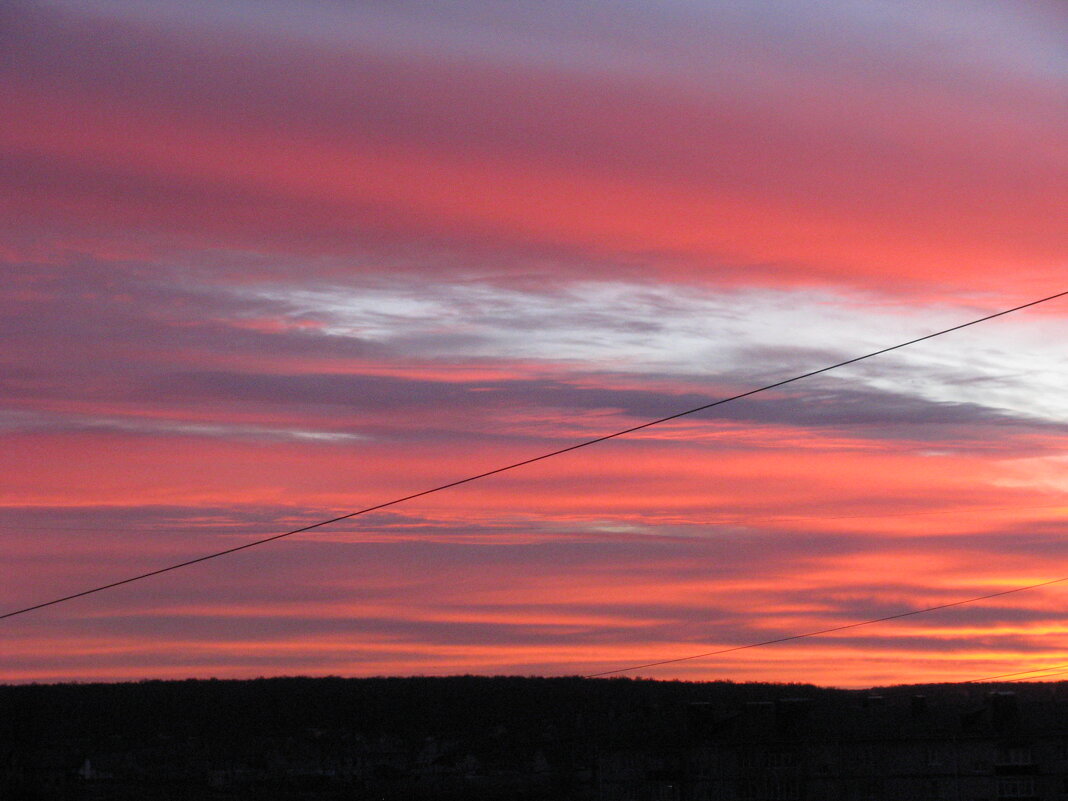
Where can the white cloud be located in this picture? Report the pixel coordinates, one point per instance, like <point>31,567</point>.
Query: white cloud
<point>18,420</point>
<point>1014,364</point>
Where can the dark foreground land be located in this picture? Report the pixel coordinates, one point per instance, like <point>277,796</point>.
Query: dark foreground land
<point>529,739</point>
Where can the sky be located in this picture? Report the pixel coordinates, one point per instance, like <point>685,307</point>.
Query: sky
<point>265,263</point>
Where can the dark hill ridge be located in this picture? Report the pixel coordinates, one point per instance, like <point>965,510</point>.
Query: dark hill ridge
<point>414,706</point>
<point>451,737</point>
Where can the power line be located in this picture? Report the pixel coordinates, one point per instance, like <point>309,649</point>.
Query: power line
<point>1017,673</point>
<point>1039,678</point>
<point>532,460</point>
<point>872,622</point>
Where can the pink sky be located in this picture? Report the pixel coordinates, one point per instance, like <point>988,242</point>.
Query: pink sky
<point>265,266</point>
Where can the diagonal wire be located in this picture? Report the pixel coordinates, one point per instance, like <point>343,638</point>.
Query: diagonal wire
<point>807,634</point>
<point>1017,673</point>
<point>1039,678</point>
<point>524,462</point>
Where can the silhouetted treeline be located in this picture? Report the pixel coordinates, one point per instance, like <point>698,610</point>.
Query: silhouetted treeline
<point>457,737</point>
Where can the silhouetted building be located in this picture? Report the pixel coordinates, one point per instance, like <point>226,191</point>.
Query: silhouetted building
<point>989,748</point>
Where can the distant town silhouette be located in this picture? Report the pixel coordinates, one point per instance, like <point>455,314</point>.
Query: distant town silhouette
<point>554,739</point>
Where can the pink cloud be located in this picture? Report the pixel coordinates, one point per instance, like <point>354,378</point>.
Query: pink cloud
<point>264,270</point>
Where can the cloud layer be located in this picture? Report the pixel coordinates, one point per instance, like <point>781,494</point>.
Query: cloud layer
<point>264,267</point>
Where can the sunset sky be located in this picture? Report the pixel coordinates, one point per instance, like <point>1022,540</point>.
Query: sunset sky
<point>269,262</point>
